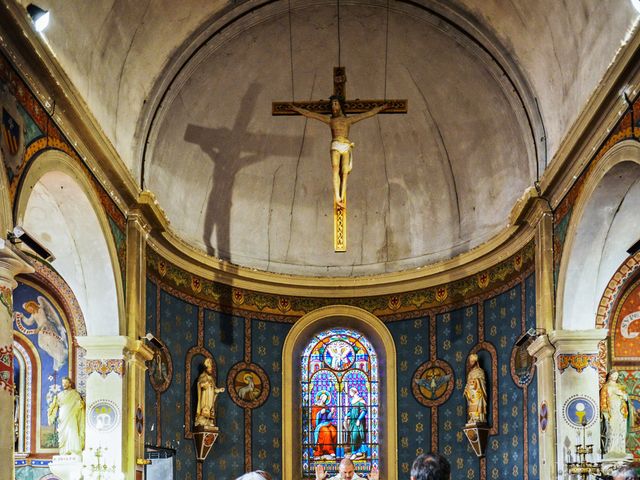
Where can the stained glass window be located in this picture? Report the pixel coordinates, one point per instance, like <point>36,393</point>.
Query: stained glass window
<point>339,402</point>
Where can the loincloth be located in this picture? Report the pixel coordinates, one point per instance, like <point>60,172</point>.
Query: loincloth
<point>342,146</point>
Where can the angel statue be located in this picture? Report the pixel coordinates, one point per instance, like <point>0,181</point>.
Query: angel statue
<point>52,335</point>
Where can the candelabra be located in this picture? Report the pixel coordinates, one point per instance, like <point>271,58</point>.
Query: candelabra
<point>100,470</point>
<point>582,467</point>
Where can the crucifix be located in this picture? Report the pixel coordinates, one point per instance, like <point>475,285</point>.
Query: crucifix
<point>332,112</point>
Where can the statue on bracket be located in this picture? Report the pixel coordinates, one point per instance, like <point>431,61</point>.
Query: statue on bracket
<point>615,413</point>
<point>475,392</point>
<point>207,396</point>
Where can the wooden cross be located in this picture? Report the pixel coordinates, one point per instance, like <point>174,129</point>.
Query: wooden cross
<point>350,106</point>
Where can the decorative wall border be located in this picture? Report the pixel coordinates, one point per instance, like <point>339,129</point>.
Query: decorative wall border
<point>618,281</point>
<point>104,367</point>
<point>577,361</point>
<point>216,296</point>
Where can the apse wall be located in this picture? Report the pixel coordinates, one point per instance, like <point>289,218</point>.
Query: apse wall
<point>485,313</point>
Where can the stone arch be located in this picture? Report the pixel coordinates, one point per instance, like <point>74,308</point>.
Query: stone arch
<point>603,226</point>
<point>298,337</point>
<point>58,204</point>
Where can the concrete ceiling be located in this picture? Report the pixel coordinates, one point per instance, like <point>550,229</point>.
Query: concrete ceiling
<point>184,95</point>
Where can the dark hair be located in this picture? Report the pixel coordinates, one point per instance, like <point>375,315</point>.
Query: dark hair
<point>340,100</point>
<point>431,466</point>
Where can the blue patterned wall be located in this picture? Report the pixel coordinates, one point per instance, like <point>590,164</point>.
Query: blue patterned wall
<point>446,336</point>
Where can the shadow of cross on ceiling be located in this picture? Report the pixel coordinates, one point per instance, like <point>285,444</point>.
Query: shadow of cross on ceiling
<point>231,150</point>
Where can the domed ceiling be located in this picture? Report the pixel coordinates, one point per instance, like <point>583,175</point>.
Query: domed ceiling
<point>256,189</point>
<point>185,97</point>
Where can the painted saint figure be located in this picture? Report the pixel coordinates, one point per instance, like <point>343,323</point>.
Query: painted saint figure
<point>67,408</point>
<point>341,146</point>
<point>476,392</point>
<point>207,396</point>
<point>615,412</point>
<point>355,424</point>
<point>325,433</point>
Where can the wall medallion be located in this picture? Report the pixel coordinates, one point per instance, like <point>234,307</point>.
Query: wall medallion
<point>432,383</point>
<point>248,385</point>
<point>161,368</point>
<point>522,365</point>
<point>544,416</point>
<point>104,415</point>
<point>579,410</point>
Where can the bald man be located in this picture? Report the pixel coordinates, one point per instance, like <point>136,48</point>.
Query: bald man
<point>346,471</point>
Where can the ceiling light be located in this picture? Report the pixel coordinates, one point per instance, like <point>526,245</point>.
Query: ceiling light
<point>39,17</point>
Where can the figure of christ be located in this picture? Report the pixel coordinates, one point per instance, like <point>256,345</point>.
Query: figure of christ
<point>325,432</point>
<point>341,146</point>
<point>355,423</point>
<point>67,408</point>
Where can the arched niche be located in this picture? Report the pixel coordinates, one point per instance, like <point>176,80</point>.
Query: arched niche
<point>603,226</point>
<point>58,205</point>
<point>380,337</point>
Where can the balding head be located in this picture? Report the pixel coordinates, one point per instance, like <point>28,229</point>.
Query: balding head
<point>347,469</point>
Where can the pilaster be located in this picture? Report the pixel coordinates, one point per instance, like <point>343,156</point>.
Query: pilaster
<point>577,391</point>
<point>139,353</point>
<point>543,351</point>
<point>12,263</point>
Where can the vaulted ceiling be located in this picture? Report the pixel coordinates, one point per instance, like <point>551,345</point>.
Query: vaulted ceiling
<point>183,91</point>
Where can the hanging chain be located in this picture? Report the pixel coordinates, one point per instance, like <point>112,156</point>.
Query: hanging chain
<point>386,52</point>
<point>338,8</point>
<point>293,95</point>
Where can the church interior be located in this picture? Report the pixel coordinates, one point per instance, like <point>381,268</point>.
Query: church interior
<point>192,292</point>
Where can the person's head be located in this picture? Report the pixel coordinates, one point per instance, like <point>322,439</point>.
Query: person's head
<point>337,105</point>
<point>322,398</point>
<point>473,359</point>
<point>613,376</point>
<point>257,475</point>
<point>67,383</point>
<point>208,365</point>
<point>353,392</point>
<point>430,466</point>
<point>31,307</point>
<point>346,469</point>
<point>625,473</point>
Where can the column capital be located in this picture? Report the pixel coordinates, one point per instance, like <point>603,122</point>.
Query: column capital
<point>12,262</point>
<point>114,347</point>
<point>577,341</point>
<point>541,348</point>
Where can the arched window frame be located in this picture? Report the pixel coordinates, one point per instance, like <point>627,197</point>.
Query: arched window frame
<point>297,339</point>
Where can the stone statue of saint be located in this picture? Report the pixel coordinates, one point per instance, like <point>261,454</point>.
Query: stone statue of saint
<point>615,412</point>
<point>341,146</point>
<point>476,392</point>
<point>207,396</point>
<point>68,408</point>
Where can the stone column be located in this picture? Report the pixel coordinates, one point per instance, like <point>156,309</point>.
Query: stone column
<point>543,351</point>
<point>12,263</point>
<point>577,392</point>
<point>139,353</point>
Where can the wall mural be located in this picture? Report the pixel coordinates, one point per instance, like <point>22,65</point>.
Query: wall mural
<point>434,330</point>
<point>44,326</point>
<point>624,345</point>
